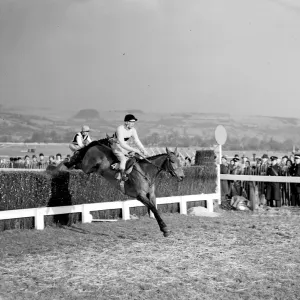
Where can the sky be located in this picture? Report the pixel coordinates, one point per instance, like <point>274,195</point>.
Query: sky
<point>233,56</point>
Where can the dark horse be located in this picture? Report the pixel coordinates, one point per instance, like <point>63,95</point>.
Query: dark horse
<point>97,158</point>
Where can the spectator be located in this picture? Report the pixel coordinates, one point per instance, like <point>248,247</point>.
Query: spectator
<point>231,164</point>
<point>58,158</point>
<point>187,162</point>
<point>224,169</point>
<point>243,164</point>
<point>27,162</point>
<point>296,173</point>
<point>285,187</point>
<point>283,161</point>
<point>273,194</point>
<point>42,164</point>
<point>236,187</point>
<point>34,162</point>
<point>52,161</point>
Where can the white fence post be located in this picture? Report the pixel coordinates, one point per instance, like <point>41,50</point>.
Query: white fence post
<point>125,211</point>
<point>210,205</point>
<point>85,215</point>
<point>218,190</point>
<point>39,218</point>
<point>183,206</point>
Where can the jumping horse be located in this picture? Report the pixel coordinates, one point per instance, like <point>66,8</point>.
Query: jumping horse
<point>97,157</point>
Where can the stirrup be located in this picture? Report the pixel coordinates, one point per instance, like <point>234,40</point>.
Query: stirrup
<point>118,176</point>
<point>124,177</point>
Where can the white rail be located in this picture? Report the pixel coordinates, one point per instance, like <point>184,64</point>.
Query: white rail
<point>85,209</point>
<point>260,178</point>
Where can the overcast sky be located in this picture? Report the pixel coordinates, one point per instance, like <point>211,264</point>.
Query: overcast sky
<point>157,55</point>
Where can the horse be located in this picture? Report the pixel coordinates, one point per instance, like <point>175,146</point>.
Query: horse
<point>97,157</point>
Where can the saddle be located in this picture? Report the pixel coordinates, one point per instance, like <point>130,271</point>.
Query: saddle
<point>129,166</point>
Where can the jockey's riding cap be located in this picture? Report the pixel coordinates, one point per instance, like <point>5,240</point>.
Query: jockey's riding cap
<point>85,128</point>
<point>130,118</point>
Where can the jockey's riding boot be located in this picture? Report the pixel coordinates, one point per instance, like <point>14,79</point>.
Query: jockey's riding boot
<point>124,176</point>
<point>118,175</point>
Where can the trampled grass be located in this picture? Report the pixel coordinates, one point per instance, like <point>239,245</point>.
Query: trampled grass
<point>238,255</point>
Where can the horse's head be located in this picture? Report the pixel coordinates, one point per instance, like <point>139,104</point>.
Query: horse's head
<point>110,139</point>
<point>174,164</point>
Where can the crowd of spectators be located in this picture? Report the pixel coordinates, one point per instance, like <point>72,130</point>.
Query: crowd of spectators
<point>33,162</point>
<point>275,193</point>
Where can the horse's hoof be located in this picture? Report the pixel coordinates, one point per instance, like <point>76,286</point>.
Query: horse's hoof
<point>167,233</point>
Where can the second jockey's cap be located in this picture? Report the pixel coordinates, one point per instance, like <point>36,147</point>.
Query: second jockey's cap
<point>85,128</point>
<point>130,118</point>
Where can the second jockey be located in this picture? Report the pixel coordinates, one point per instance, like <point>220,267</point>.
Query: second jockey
<point>121,148</point>
<point>81,139</point>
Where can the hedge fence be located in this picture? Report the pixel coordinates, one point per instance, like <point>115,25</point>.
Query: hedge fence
<point>20,190</point>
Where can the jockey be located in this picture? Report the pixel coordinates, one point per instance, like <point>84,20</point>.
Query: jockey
<point>81,139</point>
<point>120,146</point>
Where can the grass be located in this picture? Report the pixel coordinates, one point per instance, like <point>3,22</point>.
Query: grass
<point>238,255</point>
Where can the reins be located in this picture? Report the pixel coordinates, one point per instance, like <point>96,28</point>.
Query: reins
<point>170,167</point>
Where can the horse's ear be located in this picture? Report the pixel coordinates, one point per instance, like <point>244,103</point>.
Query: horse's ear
<point>176,151</point>
<point>107,136</point>
<point>167,150</point>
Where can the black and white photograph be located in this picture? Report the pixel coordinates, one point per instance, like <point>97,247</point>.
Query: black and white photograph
<point>149,150</point>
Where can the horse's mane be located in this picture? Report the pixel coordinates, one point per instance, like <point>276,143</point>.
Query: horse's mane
<point>153,157</point>
<point>102,142</point>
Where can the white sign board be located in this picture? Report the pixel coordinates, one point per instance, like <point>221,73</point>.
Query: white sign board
<point>220,135</point>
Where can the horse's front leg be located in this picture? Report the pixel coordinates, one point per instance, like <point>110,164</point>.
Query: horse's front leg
<point>162,225</point>
<point>152,199</point>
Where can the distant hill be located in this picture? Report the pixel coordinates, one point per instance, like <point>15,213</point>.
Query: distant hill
<point>87,114</point>
<point>21,123</point>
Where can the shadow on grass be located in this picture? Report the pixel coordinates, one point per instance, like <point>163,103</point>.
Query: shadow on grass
<point>83,231</point>
<point>60,196</point>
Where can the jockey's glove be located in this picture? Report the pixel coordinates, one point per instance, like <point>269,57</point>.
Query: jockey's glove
<point>145,153</point>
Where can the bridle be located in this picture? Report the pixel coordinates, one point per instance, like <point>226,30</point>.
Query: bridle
<point>169,168</point>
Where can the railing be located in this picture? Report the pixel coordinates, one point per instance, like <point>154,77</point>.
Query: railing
<point>85,209</point>
<point>258,178</point>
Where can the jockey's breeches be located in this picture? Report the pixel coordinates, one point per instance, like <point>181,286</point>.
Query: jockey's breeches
<point>120,154</point>
<point>74,147</point>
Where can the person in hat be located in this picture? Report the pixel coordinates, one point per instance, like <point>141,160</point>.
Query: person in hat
<point>80,139</point>
<point>295,171</point>
<point>120,146</point>
<point>235,186</point>
<point>224,169</point>
<point>273,189</point>
<point>285,187</point>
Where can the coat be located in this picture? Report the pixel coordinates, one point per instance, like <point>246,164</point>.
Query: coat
<point>273,188</point>
<point>296,173</point>
<point>224,169</point>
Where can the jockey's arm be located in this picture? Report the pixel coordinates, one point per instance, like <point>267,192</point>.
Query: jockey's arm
<point>138,142</point>
<point>79,141</point>
<point>122,142</point>
<point>89,140</point>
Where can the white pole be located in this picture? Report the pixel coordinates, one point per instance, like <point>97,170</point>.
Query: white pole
<point>220,154</point>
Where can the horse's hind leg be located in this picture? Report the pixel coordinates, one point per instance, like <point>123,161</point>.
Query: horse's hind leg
<point>162,225</point>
